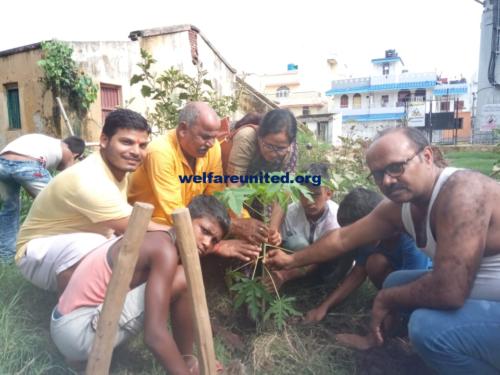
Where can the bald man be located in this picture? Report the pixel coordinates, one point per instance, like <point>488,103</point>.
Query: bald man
<point>454,216</point>
<point>191,149</point>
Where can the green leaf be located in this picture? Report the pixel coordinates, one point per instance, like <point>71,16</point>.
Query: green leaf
<point>146,91</point>
<point>233,198</point>
<point>280,310</point>
<point>136,78</point>
<point>252,293</point>
<point>208,83</point>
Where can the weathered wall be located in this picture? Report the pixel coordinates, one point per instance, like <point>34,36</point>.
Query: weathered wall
<point>183,50</point>
<point>463,134</point>
<point>114,63</point>
<point>35,103</point>
<point>108,63</point>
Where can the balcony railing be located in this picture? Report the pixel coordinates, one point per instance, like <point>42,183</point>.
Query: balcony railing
<point>303,97</point>
<point>371,110</point>
<point>402,78</point>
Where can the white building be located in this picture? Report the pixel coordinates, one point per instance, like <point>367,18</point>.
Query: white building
<point>380,100</point>
<point>291,90</point>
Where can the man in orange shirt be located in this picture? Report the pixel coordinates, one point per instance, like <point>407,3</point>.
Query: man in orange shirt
<point>191,149</point>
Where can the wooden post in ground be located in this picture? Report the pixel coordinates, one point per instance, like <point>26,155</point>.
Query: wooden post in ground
<point>102,349</point>
<point>191,262</point>
<point>65,117</point>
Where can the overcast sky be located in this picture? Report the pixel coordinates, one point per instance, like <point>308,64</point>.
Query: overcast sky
<point>264,36</point>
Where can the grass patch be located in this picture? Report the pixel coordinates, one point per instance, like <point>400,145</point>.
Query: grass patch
<point>477,160</point>
<point>26,347</point>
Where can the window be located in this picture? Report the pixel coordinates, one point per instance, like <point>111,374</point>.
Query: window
<point>356,101</point>
<point>403,97</point>
<point>460,105</point>
<point>111,97</point>
<point>13,107</point>
<point>282,92</point>
<point>444,106</point>
<point>420,95</point>
<point>384,101</point>
<point>306,111</point>
<point>322,130</point>
<point>385,69</point>
<point>344,101</point>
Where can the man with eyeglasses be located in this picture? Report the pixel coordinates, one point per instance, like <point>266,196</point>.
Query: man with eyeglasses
<point>26,162</point>
<point>454,217</point>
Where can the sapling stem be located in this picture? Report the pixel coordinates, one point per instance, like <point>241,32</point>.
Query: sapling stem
<point>264,247</point>
<point>274,284</point>
<point>255,268</point>
<point>248,263</point>
<point>281,248</point>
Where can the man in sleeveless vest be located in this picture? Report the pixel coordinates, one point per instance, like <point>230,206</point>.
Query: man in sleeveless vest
<point>454,217</point>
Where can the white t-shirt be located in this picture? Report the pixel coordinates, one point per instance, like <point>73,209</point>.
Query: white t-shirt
<point>77,200</point>
<point>38,146</point>
<point>296,223</point>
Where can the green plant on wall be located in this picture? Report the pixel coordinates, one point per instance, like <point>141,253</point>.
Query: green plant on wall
<point>250,290</point>
<point>64,79</point>
<point>172,89</point>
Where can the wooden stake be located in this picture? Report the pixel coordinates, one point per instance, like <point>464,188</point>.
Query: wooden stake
<point>65,117</point>
<point>102,349</point>
<point>188,249</point>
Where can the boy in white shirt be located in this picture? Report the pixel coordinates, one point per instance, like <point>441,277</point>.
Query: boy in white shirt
<point>306,222</point>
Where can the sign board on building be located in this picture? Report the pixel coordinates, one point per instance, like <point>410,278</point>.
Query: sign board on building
<point>416,114</point>
<point>490,117</point>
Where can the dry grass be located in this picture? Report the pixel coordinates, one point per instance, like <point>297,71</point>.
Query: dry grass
<point>241,345</point>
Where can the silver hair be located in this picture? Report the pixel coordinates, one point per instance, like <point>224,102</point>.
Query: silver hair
<point>189,114</point>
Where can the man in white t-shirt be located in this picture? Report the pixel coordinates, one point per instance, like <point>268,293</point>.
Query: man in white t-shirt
<point>25,162</point>
<point>84,205</point>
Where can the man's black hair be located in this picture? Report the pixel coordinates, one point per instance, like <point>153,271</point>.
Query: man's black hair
<point>75,144</point>
<point>124,119</point>
<point>207,205</point>
<point>357,204</point>
<point>318,169</point>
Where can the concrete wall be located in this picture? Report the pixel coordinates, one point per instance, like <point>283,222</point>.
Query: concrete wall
<point>111,63</point>
<point>175,50</point>
<point>463,134</point>
<point>35,103</point>
<point>366,130</point>
<point>114,63</point>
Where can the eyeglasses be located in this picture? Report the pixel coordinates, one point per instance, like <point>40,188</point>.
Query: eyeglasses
<point>273,148</point>
<point>393,169</point>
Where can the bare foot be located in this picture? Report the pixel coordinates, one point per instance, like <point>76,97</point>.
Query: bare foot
<point>354,341</point>
<point>314,315</point>
<point>192,364</point>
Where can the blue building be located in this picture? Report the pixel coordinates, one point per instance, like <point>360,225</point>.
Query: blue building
<point>381,100</point>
